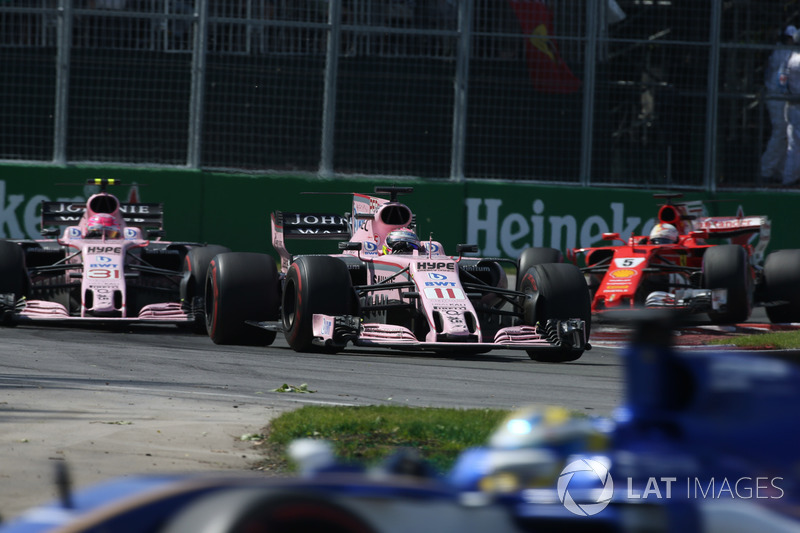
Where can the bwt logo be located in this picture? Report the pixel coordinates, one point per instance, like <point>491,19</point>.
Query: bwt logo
<point>590,478</point>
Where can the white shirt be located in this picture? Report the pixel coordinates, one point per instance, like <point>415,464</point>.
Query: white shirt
<point>776,59</point>
<point>793,72</point>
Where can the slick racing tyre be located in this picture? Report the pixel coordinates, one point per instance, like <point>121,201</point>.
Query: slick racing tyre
<point>238,510</point>
<point>315,284</point>
<point>536,256</point>
<point>195,268</point>
<point>13,277</point>
<point>782,284</point>
<point>240,287</point>
<point>555,291</point>
<point>725,267</point>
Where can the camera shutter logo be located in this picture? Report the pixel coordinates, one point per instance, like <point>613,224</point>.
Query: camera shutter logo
<point>586,469</point>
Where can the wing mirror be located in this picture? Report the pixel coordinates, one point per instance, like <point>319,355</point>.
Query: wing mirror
<point>462,249</point>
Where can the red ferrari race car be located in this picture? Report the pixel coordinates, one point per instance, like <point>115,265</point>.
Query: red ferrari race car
<point>108,266</point>
<point>676,267</point>
<point>389,289</point>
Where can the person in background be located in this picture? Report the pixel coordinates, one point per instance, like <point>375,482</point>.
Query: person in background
<point>774,157</point>
<point>791,73</point>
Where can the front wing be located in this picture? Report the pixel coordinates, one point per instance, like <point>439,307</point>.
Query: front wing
<point>26,310</point>
<point>555,335</point>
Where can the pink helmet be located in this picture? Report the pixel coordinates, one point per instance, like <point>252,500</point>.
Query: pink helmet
<point>102,225</point>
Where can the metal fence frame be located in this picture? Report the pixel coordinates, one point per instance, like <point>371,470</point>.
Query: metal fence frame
<point>595,42</point>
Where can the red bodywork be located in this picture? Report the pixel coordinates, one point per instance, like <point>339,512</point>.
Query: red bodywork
<point>641,274</point>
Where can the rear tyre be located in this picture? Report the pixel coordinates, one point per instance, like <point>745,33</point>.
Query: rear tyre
<point>195,269</point>
<point>241,286</point>
<point>555,291</point>
<point>13,278</point>
<point>725,267</point>
<point>782,283</point>
<point>536,256</point>
<point>315,284</point>
<point>13,274</point>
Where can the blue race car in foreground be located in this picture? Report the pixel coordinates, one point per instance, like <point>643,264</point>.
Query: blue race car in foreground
<point>705,442</point>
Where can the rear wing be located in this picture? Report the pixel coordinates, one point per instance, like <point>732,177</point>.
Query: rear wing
<point>69,214</point>
<point>722,227</point>
<point>736,226</point>
<point>309,226</point>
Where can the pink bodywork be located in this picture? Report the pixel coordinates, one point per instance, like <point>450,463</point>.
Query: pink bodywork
<point>436,281</point>
<point>103,289</point>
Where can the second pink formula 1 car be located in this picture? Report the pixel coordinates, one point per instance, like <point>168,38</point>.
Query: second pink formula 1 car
<point>388,288</point>
<point>108,265</point>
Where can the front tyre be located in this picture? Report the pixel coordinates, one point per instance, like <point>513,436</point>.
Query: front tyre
<point>782,283</point>
<point>725,267</point>
<point>193,283</point>
<point>555,291</point>
<point>315,284</point>
<point>241,286</point>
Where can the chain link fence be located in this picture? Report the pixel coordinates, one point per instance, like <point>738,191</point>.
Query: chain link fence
<point>644,93</point>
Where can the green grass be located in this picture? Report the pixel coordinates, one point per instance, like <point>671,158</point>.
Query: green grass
<point>367,434</point>
<point>777,340</point>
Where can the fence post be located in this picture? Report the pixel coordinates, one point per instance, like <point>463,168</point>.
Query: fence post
<point>329,96</point>
<point>60,115</point>
<point>197,89</point>
<point>461,89</point>
<point>712,95</point>
<point>593,20</point>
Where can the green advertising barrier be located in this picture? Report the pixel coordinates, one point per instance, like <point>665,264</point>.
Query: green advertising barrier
<point>24,187</point>
<point>237,208</point>
<point>229,209</point>
<point>502,218</point>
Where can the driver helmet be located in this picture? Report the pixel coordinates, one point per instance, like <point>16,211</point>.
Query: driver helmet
<point>401,241</point>
<point>664,234</point>
<point>530,449</point>
<point>102,226</point>
<point>550,426</point>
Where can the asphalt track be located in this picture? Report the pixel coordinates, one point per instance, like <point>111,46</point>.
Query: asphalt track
<point>157,399</point>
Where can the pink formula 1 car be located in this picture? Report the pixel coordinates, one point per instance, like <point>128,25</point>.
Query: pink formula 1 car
<point>104,268</point>
<point>389,289</point>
